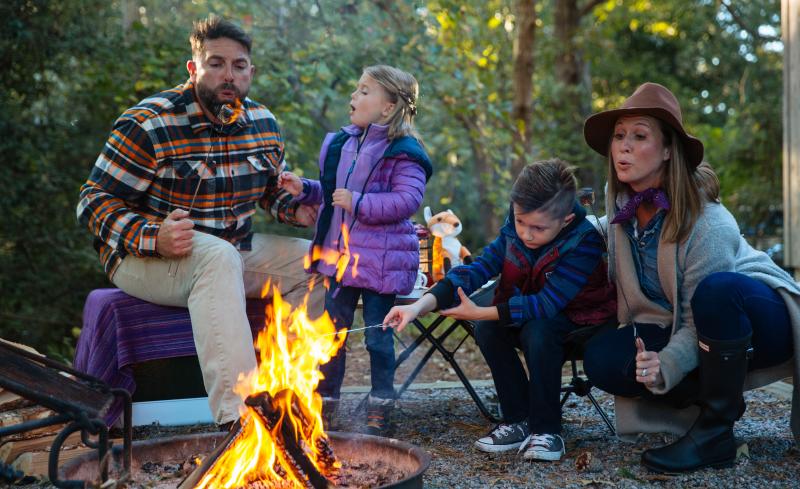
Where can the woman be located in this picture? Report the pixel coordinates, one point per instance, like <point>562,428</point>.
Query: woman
<point>700,308</point>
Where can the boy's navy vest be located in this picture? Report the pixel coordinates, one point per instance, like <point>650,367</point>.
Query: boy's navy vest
<point>596,303</point>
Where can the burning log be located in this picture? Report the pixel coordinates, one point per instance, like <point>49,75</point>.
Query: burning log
<point>272,412</point>
<point>289,437</point>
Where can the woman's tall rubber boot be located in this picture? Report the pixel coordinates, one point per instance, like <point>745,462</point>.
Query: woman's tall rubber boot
<point>709,442</point>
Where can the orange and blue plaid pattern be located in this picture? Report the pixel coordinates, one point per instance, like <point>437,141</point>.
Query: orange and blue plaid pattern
<point>165,154</point>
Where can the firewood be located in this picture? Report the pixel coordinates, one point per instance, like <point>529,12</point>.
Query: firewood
<point>10,450</point>
<point>13,402</point>
<point>7,397</point>
<point>35,463</point>
<point>267,408</point>
<point>16,416</point>
<point>37,433</point>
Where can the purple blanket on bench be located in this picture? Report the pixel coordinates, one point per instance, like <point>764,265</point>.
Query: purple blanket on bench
<point>120,331</point>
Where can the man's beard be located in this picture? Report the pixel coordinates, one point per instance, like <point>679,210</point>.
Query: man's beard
<point>208,97</point>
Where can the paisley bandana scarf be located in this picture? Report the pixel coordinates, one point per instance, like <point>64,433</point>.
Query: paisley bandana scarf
<point>654,195</point>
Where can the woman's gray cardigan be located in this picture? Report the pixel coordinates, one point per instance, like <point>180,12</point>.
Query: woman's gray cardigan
<point>714,245</point>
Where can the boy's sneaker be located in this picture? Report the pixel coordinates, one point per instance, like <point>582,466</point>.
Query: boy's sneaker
<point>330,408</point>
<point>543,447</point>
<point>378,411</point>
<point>503,437</point>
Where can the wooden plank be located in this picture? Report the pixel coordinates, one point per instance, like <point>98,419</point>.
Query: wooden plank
<point>790,27</point>
<point>47,386</point>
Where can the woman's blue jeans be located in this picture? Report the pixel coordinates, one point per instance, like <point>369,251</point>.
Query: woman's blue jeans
<point>725,305</point>
<point>341,303</point>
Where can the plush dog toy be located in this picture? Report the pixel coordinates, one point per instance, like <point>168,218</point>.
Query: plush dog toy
<point>447,249</point>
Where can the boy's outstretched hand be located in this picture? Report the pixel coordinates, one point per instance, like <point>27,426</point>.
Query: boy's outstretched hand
<point>290,182</point>
<point>648,366</point>
<point>469,310</point>
<point>399,316</point>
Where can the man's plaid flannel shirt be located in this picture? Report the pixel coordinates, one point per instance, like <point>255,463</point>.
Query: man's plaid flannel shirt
<point>161,153</point>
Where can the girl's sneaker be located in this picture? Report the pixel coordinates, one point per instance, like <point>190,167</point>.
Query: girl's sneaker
<point>378,411</point>
<point>330,409</point>
<point>503,437</point>
<point>543,447</point>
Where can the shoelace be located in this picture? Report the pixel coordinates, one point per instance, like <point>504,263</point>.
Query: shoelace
<point>536,441</point>
<point>503,429</point>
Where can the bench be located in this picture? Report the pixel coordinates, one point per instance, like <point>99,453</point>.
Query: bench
<point>122,334</point>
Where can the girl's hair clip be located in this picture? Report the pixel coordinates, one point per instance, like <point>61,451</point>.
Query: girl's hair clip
<point>412,107</point>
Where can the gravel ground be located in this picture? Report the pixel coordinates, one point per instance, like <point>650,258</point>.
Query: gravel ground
<point>446,423</point>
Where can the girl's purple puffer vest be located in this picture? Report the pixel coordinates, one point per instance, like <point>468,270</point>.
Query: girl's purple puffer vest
<point>387,179</point>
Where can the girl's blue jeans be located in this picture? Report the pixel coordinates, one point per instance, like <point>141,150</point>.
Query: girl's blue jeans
<point>340,303</point>
<point>725,305</point>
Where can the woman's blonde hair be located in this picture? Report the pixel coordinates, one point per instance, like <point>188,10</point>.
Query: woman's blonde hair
<point>682,186</point>
<point>707,181</point>
<point>403,91</point>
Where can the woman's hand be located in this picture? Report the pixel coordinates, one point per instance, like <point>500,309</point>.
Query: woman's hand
<point>399,316</point>
<point>469,310</point>
<point>290,182</point>
<point>343,198</point>
<point>648,366</point>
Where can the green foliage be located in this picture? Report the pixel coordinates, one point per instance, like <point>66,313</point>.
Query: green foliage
<point>71,67</point>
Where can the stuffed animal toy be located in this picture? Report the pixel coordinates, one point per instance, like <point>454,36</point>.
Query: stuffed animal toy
<point>447,249</point>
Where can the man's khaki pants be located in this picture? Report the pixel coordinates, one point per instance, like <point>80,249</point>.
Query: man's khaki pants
<point>213,282</point>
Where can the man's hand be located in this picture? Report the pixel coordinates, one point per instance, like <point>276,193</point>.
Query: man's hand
<point>343,198</point>
<point>175,235</point>
<point>306,215</point>
<point>290,182</point>
<point>648,366</point>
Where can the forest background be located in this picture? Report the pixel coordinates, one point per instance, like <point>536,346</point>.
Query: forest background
<point>502,82</point>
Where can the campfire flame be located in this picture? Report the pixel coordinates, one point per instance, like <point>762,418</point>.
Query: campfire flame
<point>335,257</point>
<point>290,349</point>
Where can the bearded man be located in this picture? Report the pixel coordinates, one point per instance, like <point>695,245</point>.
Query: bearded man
<point>170,202</point>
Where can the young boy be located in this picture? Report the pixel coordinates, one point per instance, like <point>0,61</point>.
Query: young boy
<point>552,280</point>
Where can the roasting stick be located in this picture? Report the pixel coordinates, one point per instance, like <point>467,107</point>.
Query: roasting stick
<point>345,330</point>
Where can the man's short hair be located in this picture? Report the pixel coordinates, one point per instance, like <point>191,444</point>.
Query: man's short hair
<point>214,27</point>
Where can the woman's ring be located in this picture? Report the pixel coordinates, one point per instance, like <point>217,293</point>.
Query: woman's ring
<point>644,372</point>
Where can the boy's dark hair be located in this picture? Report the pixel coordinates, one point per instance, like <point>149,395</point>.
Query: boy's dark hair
<point>214,27</point>
<point>546,186</point>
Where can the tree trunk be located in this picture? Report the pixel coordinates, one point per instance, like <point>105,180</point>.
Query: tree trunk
<point>522,109</point>
<point>483,179</point>
<point>572,75</point>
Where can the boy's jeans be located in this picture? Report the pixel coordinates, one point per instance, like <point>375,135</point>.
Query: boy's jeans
<point>542,343</point>
<point>380,342</point>
<point>213,282</point>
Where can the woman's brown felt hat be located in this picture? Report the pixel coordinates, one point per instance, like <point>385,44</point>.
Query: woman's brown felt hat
<point>649,99</point>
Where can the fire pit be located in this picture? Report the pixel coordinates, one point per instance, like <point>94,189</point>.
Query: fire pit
<point>366,461</point>
<point>279,439</point>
